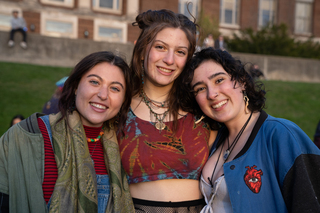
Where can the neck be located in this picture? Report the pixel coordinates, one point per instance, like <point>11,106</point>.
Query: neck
<point>157,93</point>
<point>235,126</point>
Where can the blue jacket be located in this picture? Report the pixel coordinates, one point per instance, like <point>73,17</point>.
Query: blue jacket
<point>278,170</point>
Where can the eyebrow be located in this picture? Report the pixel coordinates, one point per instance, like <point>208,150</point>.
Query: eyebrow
<point>210,77</point>
<point>113,82</point>
<point>168,44</point>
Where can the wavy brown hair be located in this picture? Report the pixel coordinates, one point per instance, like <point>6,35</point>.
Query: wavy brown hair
<point>151,23</point>
<point>235,68</point>
<point>67,99</point>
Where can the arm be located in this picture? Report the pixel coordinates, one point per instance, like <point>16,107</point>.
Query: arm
<point>299,169</point>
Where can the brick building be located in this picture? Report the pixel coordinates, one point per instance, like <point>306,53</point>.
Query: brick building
<point>110,20</point>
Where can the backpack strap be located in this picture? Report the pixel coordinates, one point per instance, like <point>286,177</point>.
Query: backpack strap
<point>46,121</point>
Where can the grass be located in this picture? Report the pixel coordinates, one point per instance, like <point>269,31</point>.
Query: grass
<point>24,88</point>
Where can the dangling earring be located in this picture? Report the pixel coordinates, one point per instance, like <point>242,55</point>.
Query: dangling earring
<point>246,100</point>
<point>73,106</point>
<point>142,76</point>
<point>198,121</point>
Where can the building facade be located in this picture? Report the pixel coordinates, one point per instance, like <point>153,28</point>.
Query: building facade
<point>111,20</point>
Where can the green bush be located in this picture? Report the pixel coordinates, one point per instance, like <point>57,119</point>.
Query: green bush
<point>273,40</point>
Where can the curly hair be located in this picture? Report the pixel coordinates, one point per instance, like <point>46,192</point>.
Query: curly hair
<point>235,68</point>
<point>151,23</point>
<point>67,99</point>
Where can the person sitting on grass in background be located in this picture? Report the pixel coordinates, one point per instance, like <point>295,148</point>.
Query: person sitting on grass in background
<point>18,24</point>
<point>16,119</point>
<point>70,161</point>
<point>52,106</point>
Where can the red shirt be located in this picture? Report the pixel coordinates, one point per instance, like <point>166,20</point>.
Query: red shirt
<point>50,166</point>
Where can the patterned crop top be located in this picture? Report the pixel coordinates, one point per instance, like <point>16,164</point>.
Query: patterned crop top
<point>148,155</point>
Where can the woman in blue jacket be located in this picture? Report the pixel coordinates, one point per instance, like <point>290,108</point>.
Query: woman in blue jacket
<point>258,163</point>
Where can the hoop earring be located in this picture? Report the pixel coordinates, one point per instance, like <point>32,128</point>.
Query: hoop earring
<point>198,121</point>
<point>246,100</point>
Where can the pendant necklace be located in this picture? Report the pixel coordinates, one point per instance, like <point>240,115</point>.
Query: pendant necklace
<point>159,117</point>
<point>229,150</point>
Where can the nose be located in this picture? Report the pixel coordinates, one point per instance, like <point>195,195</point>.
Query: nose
<point>169,58</point>
<point>212,93</point>
<point>103,94</point>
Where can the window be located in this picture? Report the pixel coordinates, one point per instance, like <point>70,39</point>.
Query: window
<point>229,12</point>
<point>184,5</point>
<point>112,6</point>
<point>63,3</point>
<point>303,17</point>
<point>59,25</point>
<point>111,31</point>
<point>5,21</point>
<point>267,10</point>
<point>6,15</point>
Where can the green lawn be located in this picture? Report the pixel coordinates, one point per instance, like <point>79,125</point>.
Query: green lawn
<point>24,88</point>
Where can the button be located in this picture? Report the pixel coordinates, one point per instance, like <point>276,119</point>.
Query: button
<point>232,167</point>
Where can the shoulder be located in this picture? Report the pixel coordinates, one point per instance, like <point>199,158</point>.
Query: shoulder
<point>30,124</point>
<point>285,134</point>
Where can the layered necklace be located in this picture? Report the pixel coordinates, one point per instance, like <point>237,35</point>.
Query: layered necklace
<point>158,116</point>
<point>229,149</point>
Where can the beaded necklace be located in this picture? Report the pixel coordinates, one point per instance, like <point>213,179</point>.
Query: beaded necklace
<point>96,139</point>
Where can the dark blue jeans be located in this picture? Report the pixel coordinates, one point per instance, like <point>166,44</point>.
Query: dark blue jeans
<point>24,34</point>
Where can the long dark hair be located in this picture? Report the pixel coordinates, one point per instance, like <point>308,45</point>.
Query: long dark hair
<point>67,99</point>
<point>235,68</point>
<point>151,23</point>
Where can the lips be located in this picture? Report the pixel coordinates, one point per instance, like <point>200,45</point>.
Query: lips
<point>220,104</point>
<point>99,106</point>
<point>165,70</point>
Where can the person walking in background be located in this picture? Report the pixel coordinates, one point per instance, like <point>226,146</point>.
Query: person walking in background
<point>208,41</point>
<point>258,163</point>
<point>220,44</point>
<point>16,119</point>
<point>52,106</point>
<point>70,161</point>
<point>18,24</point>
<point>255,72</point>
<point>163,148</point>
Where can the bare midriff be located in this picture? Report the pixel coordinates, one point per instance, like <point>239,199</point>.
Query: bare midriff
<point>174,190</point>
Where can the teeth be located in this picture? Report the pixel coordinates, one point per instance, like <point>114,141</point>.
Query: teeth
<point>165,70</point>
<point>219,104</point>
<point>98,106</point>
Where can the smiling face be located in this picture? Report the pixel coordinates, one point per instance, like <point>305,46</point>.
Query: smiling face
<point>167,57</point>
<point>216,94</point>
<point>100,94</point>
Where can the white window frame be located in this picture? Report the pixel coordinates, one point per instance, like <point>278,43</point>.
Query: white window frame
<point>297,19</point>
<point>235,15</point>
<point>7,11</point>
<point>110,24</point>
<point>114,10</point>
<point>59,17</point>
<point>64,3</point>
<point>272,12</point>
<point>195,8</point>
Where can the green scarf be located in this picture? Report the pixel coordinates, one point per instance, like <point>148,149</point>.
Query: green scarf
<point>76,186</point>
